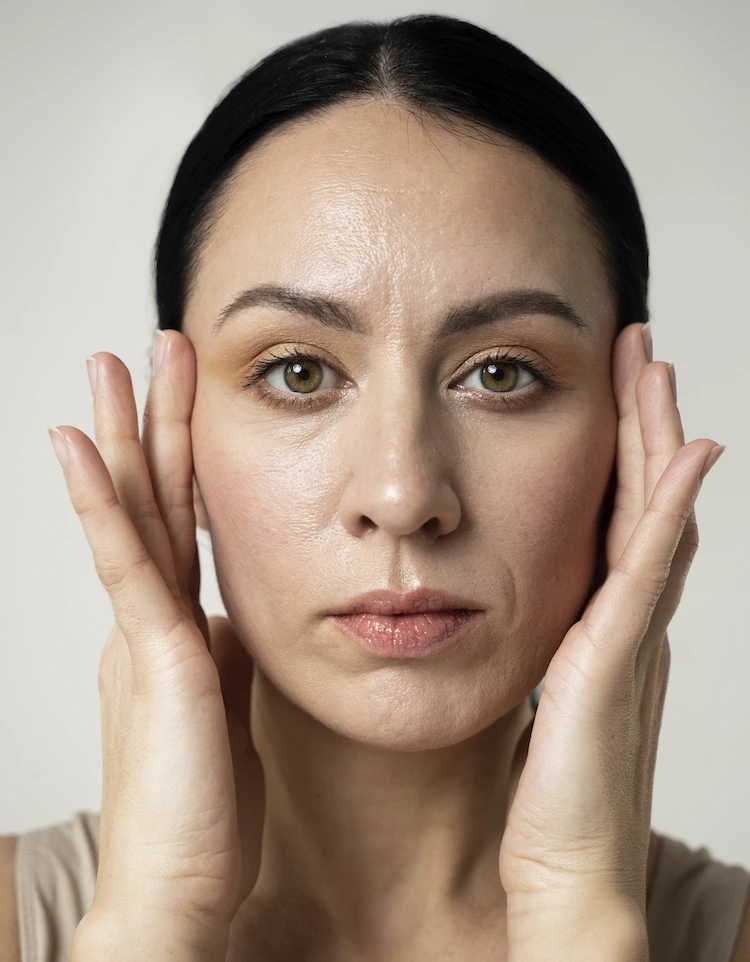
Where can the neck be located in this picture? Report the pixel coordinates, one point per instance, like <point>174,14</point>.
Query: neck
<point>381,846</point>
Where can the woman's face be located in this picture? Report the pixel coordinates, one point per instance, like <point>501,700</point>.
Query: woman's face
<point>402,459</point>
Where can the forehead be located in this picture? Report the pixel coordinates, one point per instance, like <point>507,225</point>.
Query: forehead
<point>370,205</point>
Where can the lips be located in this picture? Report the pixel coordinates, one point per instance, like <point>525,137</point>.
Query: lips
<point>421,601</point>
<point>406,623</point>
<point>406,636</point>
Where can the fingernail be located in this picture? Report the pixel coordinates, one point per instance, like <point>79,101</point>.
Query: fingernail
<point>648,345</point>
<point>160,342</point>
<point>672,380</point>
<point>91,368</point>
<point>60,445</point>
<point>714,455</point>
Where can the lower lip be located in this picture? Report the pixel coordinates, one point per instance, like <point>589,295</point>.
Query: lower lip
<point>406,636</point>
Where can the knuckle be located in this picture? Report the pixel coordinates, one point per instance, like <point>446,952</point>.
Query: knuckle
<point>116,577</point>
<point>147,514</point>
<point>651,576</point>
<point>178,494</point>
<point>672,515</point>
<point>87,509</point>
<point>654,580</point>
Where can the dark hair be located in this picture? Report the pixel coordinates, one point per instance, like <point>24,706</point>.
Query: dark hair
<point>454,71</point>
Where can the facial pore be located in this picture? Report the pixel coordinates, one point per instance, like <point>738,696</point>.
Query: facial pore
<point>405,466</point>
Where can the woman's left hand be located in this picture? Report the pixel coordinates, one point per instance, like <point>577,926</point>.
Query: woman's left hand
<point>579,819</point>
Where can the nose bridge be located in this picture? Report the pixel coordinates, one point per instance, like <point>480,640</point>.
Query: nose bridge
<point>398,477</point>
<point>398,408</point>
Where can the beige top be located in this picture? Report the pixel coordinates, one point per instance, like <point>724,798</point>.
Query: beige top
<point>698,908</point>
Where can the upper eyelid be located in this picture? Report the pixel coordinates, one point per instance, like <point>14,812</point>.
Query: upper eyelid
<point>271,363</point>
<point>538,368</point>
<point>506,356</point>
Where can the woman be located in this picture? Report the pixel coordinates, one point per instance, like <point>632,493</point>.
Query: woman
<point>402,377</point>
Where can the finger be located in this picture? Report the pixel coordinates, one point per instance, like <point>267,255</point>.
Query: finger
<point>628,361</point>
<point>660,424</point>
<point>143,604</point>
<point>167,447</point>
<point>625,603</point>
<point>116,430</point>
<point>670,596</point>
<point>663,436</point>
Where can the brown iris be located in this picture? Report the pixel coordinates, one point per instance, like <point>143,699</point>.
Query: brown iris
<point>297,376</point>
<point>502,377</point>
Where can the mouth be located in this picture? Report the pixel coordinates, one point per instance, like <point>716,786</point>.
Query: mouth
<point>408,625</point>
<point>407,636</point>
<point>421,601</point>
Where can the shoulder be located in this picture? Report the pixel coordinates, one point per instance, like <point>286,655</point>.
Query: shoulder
<point>9,951</point>
<point>697,904</point>
<point>741,951</point>
<point>55,875</point>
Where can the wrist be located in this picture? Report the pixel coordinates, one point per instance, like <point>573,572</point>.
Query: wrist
<point>584,932</point>
<point>146,937</point>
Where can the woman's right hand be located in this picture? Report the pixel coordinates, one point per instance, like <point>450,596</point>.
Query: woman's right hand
<point>183,795</point>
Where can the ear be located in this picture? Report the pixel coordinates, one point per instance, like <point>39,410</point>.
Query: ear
<point>201,515</point>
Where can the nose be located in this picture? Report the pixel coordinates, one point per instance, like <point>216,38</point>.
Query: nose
<point>401,463</point>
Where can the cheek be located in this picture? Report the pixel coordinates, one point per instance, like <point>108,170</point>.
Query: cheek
<point>259,507</point>
<point>554,501</point>
<point>547,517</point>
<point>266,503</point>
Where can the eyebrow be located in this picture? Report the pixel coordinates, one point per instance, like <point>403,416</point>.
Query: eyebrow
<point>491,308</point>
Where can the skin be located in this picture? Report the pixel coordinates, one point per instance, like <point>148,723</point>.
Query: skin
<point>389,780</point>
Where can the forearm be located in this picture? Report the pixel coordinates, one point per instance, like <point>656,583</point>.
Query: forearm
<point>141,938</point>
<point>606,933</point>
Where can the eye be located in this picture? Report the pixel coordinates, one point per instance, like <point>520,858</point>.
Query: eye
<point>504,375</point>
<point>301,374</point>
<point>298,379</point>
<point>295,378</point>
<point>500,375</point>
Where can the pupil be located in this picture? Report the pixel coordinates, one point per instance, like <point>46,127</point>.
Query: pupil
<point>297,368</point>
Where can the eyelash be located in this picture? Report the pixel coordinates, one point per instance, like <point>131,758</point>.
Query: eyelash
<point>275,398</point>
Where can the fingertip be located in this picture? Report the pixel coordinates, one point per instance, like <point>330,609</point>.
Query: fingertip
<point>161,343</point>
<point>59,444</point>
<point>713,456</point>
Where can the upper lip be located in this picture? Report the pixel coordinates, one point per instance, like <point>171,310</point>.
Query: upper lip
<point>405,603</point>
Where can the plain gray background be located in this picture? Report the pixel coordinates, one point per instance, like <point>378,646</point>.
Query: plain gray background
<point>99,102</point>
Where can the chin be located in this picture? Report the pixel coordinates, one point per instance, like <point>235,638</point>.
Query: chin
<point>400,710</point>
